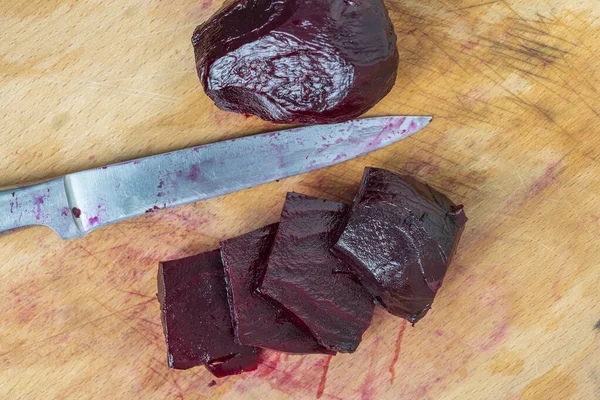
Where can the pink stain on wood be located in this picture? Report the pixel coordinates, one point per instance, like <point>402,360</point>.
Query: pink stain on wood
<point>296,376</point>
<point>392,368</point>
<point>426,388</point>
<point>178,388</point>
<point>496,337</point>
<point>556,290</point>
<point>543,182</point>
<point>323,381</point>
<point>270,361</point>
<point>470,45</point>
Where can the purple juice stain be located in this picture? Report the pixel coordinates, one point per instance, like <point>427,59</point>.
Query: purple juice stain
<point>12,204</point>
<point>76,212</point>
<point>412,126</point>
<point>65,211</point>
<point>161,184</point>
<point>195,171</point>
<point>340,157</point>
<point>13,194</point>
<point>151,210</point>
<point>161,194</point>
<point>38,201</point>
<point>93,221</point>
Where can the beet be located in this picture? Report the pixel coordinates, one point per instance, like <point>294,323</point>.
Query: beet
<point>195,317</point>
<point>305,278</point>
<point>256,321</point>
<point>297,61</point>
<point>400,238</point>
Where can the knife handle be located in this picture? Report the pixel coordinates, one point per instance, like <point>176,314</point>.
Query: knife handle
<point>44,204</point>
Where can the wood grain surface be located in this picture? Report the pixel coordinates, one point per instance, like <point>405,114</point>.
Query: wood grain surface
<point>514,87</point>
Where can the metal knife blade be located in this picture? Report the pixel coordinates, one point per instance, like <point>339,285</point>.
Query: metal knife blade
<point>79,203</point>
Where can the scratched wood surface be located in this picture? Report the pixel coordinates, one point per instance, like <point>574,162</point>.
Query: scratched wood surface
<point>514,86</point>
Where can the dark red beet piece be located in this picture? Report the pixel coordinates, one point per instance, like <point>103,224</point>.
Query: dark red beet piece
<point>400,238</point>
<point>305,278</point>
<point>195,316</point>
<point>256,321</point>
<point>297,61</point>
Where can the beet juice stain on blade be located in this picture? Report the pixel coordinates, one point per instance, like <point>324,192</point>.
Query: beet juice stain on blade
<point>399,240</point>
<point>305,278</point>
<point>297,61</point>
<point>195,317</point>
<point>258,322</point>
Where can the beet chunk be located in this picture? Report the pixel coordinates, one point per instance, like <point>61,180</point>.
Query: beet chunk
<point>305,278</point>
<point>195,316</point>
<point>297,61</point>
<point>256,321</point>
<point>399,240</point>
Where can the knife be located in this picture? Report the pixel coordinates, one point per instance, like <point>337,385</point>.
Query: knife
<point>79,203</point>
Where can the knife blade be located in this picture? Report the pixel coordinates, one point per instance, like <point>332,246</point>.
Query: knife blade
<point>79,203</point>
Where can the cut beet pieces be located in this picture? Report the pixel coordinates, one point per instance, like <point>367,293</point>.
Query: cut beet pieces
<point>399,240</point>
<point>196,319</point>
<point>297,61</point>
<point>257,321</point>
<point>305,278</point>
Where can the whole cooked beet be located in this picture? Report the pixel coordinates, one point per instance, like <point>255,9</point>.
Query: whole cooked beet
<point>195,317</point>
<point>256,321</point>
<point>297,61</point>
<point>399,240</point>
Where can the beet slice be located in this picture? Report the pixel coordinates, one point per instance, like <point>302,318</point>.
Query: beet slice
<point>399,240</point>
<point>305,278</point>
<point>195,316</point>
<point>257,321</point>
<point>297,61</point>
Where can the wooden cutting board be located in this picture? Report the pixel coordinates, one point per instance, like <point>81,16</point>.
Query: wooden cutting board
<point>514,87</point>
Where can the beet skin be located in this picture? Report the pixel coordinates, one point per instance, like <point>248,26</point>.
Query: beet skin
<point>297,61</point>
<point>400,238</point>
